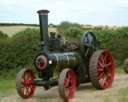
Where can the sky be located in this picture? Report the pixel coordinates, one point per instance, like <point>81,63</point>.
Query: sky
<point>94,12</point>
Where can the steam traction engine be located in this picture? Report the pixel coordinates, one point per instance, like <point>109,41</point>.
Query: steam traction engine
<point>80,63</point>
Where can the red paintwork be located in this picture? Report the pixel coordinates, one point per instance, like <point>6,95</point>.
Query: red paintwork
<point>70,84</point>
<point>28,87</point>
<point>105,70</point>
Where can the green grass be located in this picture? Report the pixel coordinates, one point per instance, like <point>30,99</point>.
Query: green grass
<point>7,87</point>
<point>8,83</point>
<point>119,70</point>
<point>123,95</point>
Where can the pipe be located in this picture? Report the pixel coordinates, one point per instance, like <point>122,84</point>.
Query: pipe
<point>43,20</point>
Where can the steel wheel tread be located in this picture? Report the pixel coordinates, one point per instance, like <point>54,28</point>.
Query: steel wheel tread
<point>20,86</point>
<point>61,86</point>
<point>94,67</point>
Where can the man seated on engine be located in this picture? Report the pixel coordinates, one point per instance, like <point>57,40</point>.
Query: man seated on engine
<point>55,42</point>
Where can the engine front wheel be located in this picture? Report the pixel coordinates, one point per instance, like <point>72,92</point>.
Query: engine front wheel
<point>67,84</point>
<point>101,69</point>
<point>25,83</point>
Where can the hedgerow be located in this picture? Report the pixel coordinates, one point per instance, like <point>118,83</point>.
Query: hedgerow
<point>19,51</point>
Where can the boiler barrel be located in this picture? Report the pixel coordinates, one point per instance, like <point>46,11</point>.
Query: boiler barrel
<point>64,60</point>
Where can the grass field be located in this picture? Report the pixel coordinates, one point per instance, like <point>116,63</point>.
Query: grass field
<point>11,30</point>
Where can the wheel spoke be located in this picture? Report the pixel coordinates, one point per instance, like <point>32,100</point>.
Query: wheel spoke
<point>101,64</point>
<point>69,76</point>
<point>66,82</point>
<point>27,90</point>
<point>105,58</point>
<point>108,64</point>
<point>67,92</point>
<point>24,91</point>
<point>100,69</point>
<point>102,81</point>
<point>25,76</point>
<point>102,59</point>
<point>70,92</point>
<point>105,83</point>
<point>109,75</point>
<point>101,75</point>
<point>22,81</point>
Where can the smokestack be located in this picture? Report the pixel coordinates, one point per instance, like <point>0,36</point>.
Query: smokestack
<point>43,20</point>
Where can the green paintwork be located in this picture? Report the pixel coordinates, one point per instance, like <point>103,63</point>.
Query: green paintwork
<point>65,60</point>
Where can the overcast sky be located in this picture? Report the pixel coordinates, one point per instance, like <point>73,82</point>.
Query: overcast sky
<point>95,12</point>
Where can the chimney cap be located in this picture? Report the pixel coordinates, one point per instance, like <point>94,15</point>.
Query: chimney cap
<point>43,11</point>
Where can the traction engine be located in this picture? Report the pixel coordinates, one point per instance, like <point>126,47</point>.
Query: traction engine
<point>77,63</point>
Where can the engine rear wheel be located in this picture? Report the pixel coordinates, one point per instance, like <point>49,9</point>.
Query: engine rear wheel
<point>67,84</point>
<point>126,65</point>
<point>101,69</point>
<point>24,83</point>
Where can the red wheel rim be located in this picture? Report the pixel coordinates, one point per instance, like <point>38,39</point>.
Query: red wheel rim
<point>26,86</point>
<point>105,70</point>
<point>70,84</point>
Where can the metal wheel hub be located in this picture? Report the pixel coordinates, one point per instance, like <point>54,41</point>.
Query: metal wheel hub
<point>27,82</point>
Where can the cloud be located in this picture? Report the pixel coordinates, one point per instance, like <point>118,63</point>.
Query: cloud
<point>111,12</point>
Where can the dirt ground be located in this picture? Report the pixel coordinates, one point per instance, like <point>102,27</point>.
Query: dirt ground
<point>84,93</point>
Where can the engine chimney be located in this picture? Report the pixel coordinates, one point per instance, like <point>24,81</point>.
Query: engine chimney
<point>43,20</point>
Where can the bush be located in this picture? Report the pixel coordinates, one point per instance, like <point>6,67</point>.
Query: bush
<point>19,51</point>
<point>3,35</point>
<point>114,39</point>
<point>71,31</point>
